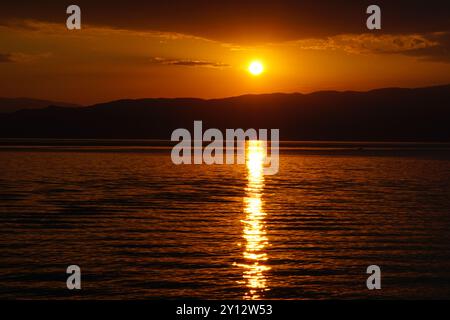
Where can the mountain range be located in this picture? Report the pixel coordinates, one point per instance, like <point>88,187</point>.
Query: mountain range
<point>8,105</point>
<point>390,114</point>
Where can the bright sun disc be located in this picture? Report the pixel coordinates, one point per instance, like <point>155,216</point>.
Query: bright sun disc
<point>256,68</point>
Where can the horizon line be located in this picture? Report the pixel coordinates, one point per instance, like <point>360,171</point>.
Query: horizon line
<point>57,101</point>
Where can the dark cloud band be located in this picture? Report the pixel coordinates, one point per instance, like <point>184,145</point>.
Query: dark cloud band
<point>244,21</point>
<point>6,58</point>
<point>188,63</point>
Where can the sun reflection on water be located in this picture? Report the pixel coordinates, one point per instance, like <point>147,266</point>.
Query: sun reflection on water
<point>254,229</point>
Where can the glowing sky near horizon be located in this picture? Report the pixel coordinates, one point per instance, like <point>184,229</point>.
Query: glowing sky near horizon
<point>118,58</point>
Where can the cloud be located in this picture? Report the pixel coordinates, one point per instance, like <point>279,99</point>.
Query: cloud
<point>19,57</point>
<point>440,52</point>
<point>433,46</point>
<point>6,58</point>
<point>367,43</point>
<point>30,26</point>
<point>188,63</point>
<point>243,22</point>
<point>414,29</point>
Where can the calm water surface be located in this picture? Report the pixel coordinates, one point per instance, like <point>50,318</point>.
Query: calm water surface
<point>141,227</point>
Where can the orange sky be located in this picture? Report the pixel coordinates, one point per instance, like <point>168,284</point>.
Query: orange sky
<point>42,59</point>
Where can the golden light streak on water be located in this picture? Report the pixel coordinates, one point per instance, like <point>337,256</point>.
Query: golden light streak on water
<point>254,229</point>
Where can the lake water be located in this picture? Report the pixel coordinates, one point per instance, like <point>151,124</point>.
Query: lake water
<point>140,227</point>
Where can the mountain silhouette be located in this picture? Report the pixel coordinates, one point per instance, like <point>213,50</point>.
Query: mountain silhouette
<point>391,114</point>
<point>8,105</point>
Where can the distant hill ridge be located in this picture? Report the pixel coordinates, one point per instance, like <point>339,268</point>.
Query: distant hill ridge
<point>390,114</point>
<point>8,105</point>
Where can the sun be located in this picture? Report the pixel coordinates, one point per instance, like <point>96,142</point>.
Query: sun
<point>256,68</point>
